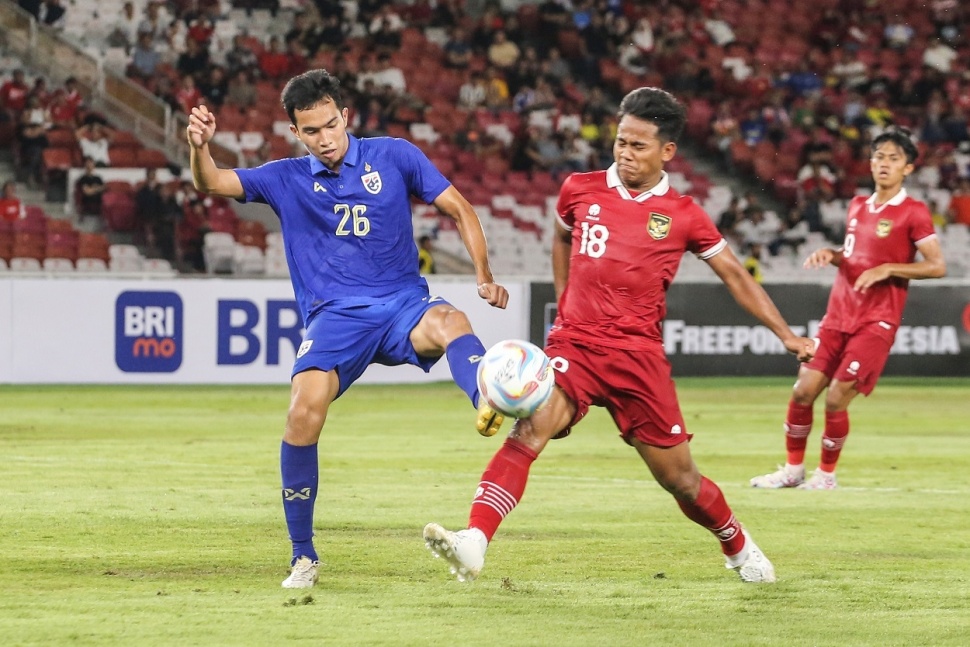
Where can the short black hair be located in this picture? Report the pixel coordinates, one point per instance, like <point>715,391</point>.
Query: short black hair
<point>900,136</point>
<point>658,107</point>
<point>306,90</point>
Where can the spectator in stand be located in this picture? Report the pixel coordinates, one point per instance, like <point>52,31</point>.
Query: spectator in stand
<point>13,95</point>
<point>188,95</point>
<point>32,128</point>
<point>215,87</point>
<point>724,130</point>
<point>879,114</point>
<point>194,60</point>
<point>124,31</point>
<point>727,222</point>
<point>306,30</point>
<point>458,49</point>
<point>385,29</point>
<point>758,226</point>
<point>241,56</point>
<point>274,63</point>
<point>387,74</point>
<point>960,203</point>
<point>296,55</point>
<point>62,112</point>
<point>846,72</point>
<point>11,208</point>
<point>154,24</point>
<point>719,29</point>
<point>497,96</point>
<point>94,139</point>
<point>425,255</point>
<point>940,219</point>
<point>241,93</point>
<point>794,231</point>
<point>89,189</point>
<point>503,53</point>
<point>332,33</point>
<point>473,92</point>
<point>145,59</point>
<point>753,261</point>
<point>939,56</point>
<point>753,128</point>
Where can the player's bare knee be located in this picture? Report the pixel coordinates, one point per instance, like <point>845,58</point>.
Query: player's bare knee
<point>455,323</point>
<point>304,423</point>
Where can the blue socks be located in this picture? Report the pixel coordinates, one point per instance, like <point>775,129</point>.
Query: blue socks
<point>298,466</point>
<point>464,354</point>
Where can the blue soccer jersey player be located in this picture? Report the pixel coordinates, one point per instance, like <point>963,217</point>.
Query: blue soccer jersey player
<point>345,215</point>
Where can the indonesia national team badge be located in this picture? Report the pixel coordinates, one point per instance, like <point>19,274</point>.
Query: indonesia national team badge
<point>658,226</point>
<point>883,227</point>
<point>372,180</point>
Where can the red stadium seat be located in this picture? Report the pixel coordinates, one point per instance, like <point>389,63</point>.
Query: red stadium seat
<point>150,158</point>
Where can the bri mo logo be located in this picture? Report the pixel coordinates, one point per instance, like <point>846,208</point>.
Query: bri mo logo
<point>148,332</point>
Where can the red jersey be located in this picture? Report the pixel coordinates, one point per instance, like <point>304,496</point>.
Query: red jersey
<point>625,253</point>
<point>887,233</point>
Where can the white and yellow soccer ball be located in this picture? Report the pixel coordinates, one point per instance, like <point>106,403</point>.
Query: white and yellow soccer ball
<point>515,378</point>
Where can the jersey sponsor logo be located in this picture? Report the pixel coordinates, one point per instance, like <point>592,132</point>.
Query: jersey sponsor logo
<point>148,332</point>
<point>658,226</point>
<point>853,368</point>
<point>883,227</point>
<point>319,188</point>
<point>372,182</point>
<point>304,348</point>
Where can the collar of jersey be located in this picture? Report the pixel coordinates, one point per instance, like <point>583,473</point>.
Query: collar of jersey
<point>350,159</point>
<point>894,201</point>
<point>613,181</point>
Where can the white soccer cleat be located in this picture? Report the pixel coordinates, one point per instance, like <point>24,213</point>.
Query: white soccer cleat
<point>303,574</point>
<point>784,476</point>
<point>751,565</point>
<point>820,480</point>
<point>463,550</point>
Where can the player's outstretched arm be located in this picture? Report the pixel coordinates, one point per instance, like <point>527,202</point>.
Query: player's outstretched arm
<point>753,298</point>
<point>822,257</point>
<point>933,266</point>
<point>454,205</point>
<point>206,176</point>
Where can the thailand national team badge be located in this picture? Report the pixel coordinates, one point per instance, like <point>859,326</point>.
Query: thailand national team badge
<point>372,182</point>
<point>883,227</point>
<point>658,226</point>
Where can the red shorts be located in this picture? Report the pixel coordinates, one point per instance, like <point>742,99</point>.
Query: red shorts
<point>854,357</point>
<point>634,386</point>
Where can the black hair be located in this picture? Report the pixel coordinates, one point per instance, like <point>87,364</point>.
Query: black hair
<point>902,138</point>
<point>306,90</point>
<point>658,107</point>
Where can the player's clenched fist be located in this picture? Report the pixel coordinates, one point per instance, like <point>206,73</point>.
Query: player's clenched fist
<point>802,347</point>
<point>201,128</point>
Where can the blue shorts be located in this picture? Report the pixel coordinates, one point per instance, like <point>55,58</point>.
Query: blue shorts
<point>348,335</point>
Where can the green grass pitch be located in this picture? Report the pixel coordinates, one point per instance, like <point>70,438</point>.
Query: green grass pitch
<point>150,516</point>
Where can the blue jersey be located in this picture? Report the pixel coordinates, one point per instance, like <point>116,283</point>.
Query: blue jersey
<point>348,234</point>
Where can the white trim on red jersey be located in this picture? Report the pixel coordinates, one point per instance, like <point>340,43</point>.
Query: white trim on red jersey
<point>613,181</point>
<point>894,201</point>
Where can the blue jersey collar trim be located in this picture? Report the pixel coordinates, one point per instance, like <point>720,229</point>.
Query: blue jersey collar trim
<point>350,159</point>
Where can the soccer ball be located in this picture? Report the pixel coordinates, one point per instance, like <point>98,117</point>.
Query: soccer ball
<point>515,378</point>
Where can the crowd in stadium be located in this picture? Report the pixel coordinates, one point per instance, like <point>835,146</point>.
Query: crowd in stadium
<point>788,95</point>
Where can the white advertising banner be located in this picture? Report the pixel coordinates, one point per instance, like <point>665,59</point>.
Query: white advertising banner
<point>190,331</point>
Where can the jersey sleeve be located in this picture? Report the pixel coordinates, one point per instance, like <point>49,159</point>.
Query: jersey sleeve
<point>259,183</point>
<point>921,224</point>
<point>422,178</point>
<point>566,204</point>
<point>705,240</point>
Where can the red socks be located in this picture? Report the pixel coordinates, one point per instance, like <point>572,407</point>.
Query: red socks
<point>712,511</point>
<point>501,487</point>
<point>798,424</point>
<point>836,429</point>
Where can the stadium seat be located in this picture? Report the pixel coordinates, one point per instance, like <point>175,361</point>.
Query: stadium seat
<point>92,265</point>
<point>25,264</point>
<point>118,211</point>
<point>150,158</point>
<point>248,260</point>
<point>56,264</point>
<point>218,250</point>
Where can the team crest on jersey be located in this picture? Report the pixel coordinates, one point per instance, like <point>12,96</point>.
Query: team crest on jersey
<point>658,226</point>
<point>372,182</point>
<point>883,227</point>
